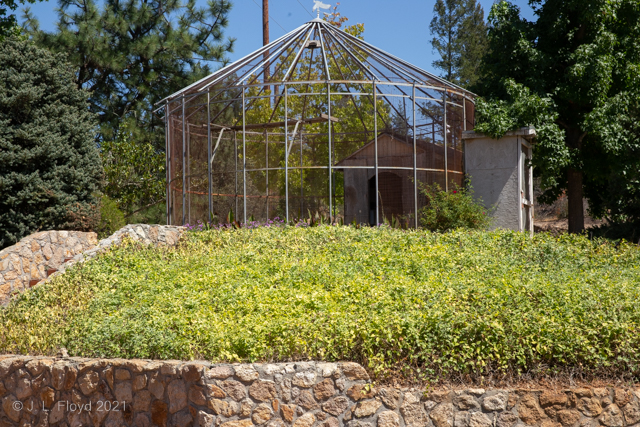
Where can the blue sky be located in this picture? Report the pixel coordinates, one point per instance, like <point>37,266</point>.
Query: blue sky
<point>399,27</point>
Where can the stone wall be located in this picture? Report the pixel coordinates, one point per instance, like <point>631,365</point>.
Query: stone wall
<point>36,391</point>
<point>33,258</point>
<point>157,235</point>
<point>48,253</point>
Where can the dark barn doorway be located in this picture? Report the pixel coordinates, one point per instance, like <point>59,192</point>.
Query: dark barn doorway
<point>390,190</point>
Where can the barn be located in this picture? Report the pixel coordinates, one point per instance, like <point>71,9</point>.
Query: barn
<point>395,177</point>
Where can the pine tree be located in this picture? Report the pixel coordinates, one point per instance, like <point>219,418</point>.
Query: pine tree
<point>8,21</point>
<point>131,54</point>
<point>459,37</point>
<point>473,36</point>
<point>49,165</point>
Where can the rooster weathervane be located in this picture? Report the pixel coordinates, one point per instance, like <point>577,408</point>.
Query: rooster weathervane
<point>317,5</point>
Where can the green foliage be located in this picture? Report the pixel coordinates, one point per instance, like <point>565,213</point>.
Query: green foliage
<point>615,191</point>
<point>627,230</point>
<point>448,210</point>
<point>111,218</point>
<point>156,214</point>
<point>581,64</point>
<point>8,22</point>
<point>131,54</point>
<point>460,38</point>
<point>135,173</point>
<point>49,165</point>
<point>520,107</point>
<point>409,302</point>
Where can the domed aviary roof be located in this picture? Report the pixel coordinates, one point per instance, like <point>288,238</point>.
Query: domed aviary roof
<point>319,52</point>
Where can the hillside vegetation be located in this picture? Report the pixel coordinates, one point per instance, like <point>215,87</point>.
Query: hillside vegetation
<point>404,303</point>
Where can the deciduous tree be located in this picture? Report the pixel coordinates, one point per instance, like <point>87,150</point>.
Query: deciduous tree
<point>575,73</point>
<point>134,172</point>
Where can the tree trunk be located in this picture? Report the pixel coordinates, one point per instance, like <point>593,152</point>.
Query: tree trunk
<point>574,193</point>
<point>574,186</point>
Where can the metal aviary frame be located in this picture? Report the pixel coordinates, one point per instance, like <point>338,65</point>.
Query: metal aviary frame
<point>368,130</point>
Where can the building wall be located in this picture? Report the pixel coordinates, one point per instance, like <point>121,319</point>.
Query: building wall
<point>396,152</point>
<point>356,184</point>
<point>356,200</point>
<point>492,166</point>
<point>391,152</point>
<point>56,392</point>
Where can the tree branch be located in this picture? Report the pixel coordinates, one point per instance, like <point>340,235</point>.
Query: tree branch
<point>582,137</point>
<point>144,207</point>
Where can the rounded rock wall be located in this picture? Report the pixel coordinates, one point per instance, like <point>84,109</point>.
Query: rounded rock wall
<point>116,392</point>
<point>47,253</point>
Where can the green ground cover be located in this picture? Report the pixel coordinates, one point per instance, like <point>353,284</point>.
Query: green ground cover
<point>399,302</point>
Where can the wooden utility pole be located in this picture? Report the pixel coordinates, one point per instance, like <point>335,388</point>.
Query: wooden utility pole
<point>265,22</point>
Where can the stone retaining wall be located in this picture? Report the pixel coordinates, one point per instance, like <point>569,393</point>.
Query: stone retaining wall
<point>36,257</point>
<point>37,391</point>
<point>33,258</point>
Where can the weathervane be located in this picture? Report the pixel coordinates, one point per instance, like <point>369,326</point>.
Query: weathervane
<point>317,5</point>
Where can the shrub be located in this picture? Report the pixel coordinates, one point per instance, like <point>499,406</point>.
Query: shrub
<point>454,209</point>
<point>111,218</point>
<point>412,303</point>
<point>49,164</point>
<point>135,174</point>
<point>629,231</point>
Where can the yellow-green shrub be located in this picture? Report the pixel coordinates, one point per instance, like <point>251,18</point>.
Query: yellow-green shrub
<point>464,302</point>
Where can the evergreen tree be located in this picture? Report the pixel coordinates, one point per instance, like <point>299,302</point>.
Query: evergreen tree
<point>49,165</point>
<point>131,54</point>
<point>473,33</point>
<point>459,37</point>
<point>573,73</point>
<point>8,22</point>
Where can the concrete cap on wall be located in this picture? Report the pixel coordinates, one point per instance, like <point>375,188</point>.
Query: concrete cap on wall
<point>527,133</point>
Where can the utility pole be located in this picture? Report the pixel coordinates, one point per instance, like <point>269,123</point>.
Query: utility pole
<point>265,38</point>
<point>265,22</point>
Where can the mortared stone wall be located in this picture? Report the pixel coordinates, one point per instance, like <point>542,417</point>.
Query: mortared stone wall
<point>40,255</point>
<point>41,391</point>
<point>35,257</point>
